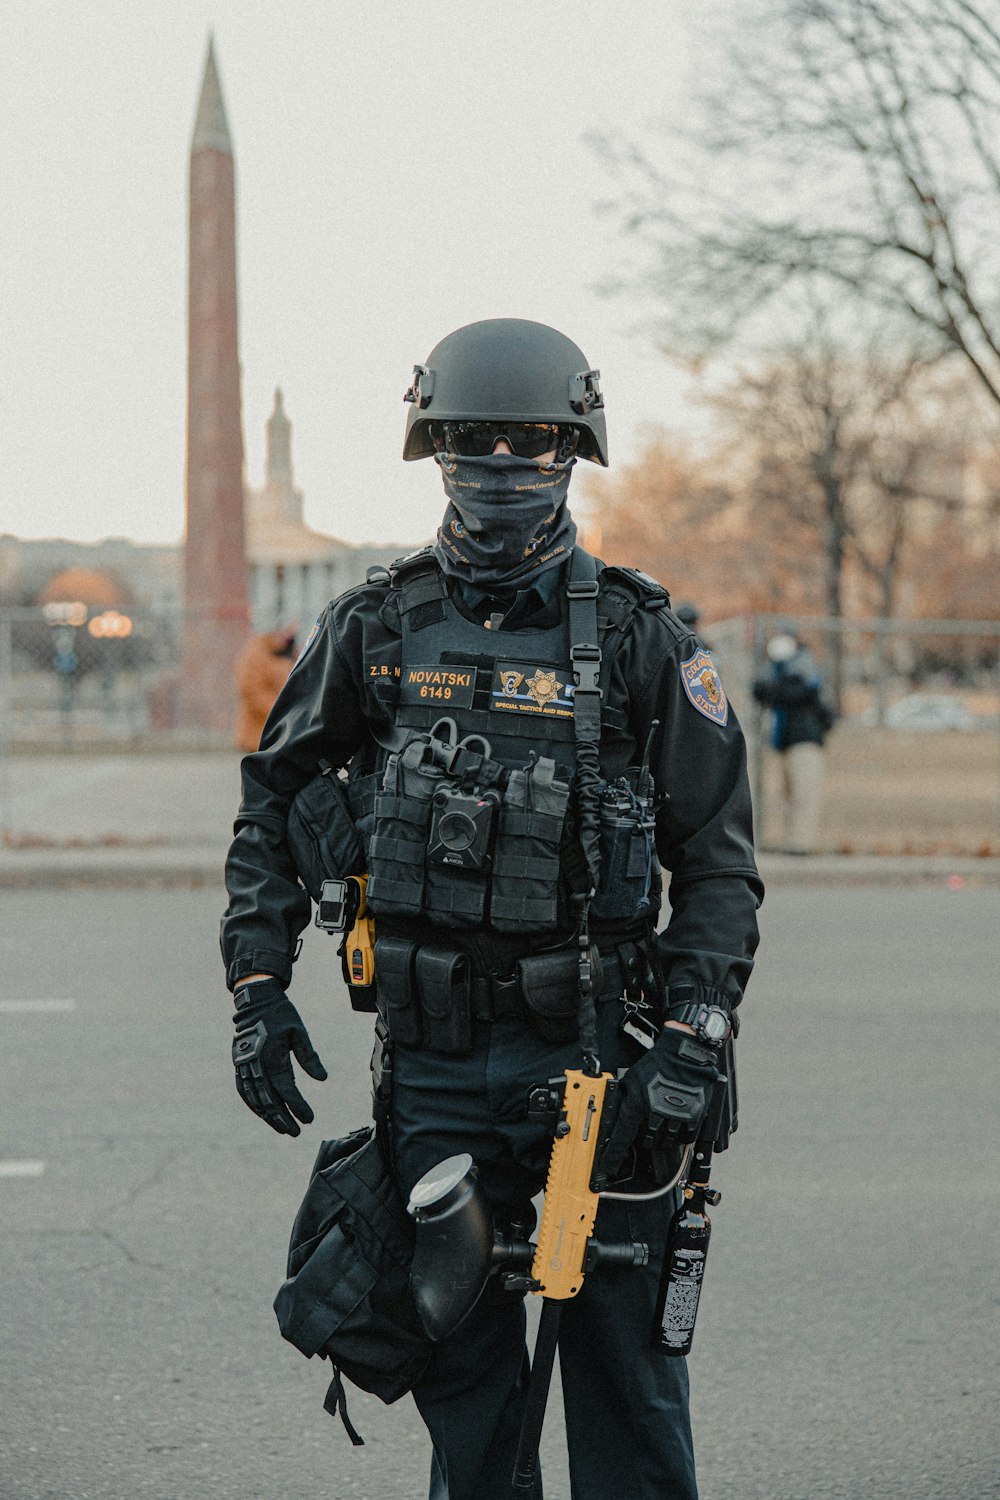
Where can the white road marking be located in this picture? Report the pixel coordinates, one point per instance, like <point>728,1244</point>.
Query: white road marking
<point>21,1168</point>
<point>36,1007</point>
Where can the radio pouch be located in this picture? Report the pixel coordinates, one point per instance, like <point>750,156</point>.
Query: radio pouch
<point>630,883</point>
<point>397,994</point>
<point>550,984</point>
<point>444,984</point>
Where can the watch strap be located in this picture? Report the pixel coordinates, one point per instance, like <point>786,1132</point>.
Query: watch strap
<point>693,1013</point>
<point>688,1014</point>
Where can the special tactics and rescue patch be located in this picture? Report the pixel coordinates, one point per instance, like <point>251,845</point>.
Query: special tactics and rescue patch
<point>308,642</point>
<point>531,689</point>
<point>702,685</point>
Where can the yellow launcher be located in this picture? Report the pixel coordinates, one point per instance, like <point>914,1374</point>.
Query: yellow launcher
<point>360,944</point>
<point>570,1205</point>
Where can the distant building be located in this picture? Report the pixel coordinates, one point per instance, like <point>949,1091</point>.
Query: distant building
<point>294,570</point>
<point>149,574</point>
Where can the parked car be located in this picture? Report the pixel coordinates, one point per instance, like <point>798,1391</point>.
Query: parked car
<point>930,711</point>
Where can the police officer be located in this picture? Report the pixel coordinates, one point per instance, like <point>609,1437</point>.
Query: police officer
<point>509,711</point>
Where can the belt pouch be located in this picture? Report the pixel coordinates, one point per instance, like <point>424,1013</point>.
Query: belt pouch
<point>550,984</point>
<point>444,984</point>
<point>397,992</point>
<point>402,823</point>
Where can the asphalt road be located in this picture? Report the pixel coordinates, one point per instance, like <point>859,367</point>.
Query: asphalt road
<point>847,1344</point>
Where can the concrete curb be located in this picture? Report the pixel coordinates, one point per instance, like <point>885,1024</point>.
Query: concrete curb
<point>124,865</point>
<point>121,865</point>
<point>877,869</point>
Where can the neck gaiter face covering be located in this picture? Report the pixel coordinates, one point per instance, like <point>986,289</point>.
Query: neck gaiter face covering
<point>506,520</point>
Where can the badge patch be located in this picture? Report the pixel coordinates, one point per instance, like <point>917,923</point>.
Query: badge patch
<point>531,689</point>
<point>543,687</point>
<point>437,684</point>
<point>702,685</point>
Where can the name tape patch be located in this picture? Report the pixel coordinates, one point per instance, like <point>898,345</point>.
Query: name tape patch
<point>437,684</point>
<point>703,687</point>
<point>525,687</point>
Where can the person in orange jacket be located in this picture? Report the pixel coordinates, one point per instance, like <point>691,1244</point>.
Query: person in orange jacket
<point>264,663</point>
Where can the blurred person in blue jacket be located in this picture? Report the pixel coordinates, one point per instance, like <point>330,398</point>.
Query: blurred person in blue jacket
<point>793,690</point>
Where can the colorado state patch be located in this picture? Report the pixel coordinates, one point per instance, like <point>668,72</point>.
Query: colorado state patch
<point>702,685</point>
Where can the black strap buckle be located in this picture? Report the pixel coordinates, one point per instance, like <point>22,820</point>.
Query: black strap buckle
<point>582,588</point>
<point>586,661</point>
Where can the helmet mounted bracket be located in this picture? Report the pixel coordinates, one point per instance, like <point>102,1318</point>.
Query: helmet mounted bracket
<point>585,394</point>
<point>422,389</point>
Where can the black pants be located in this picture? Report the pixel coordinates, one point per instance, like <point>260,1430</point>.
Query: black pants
<point>627,1424</point>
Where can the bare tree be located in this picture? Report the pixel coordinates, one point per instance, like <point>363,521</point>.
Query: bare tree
<point>854,146</point>
<point>842,448</point>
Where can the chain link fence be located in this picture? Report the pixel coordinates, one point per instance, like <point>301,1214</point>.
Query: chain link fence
<point>911,766</point>
<point>72,677</point>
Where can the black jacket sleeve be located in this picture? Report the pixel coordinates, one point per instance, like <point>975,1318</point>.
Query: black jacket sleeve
<point>704,826</point>
<point>317,715</point>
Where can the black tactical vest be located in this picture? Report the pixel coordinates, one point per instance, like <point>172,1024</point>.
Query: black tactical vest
<point>474,820</point>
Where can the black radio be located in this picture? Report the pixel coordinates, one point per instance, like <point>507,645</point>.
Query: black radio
<point>462,828</point>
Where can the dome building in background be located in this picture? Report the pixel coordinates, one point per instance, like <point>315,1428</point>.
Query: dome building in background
<point>295,570</point>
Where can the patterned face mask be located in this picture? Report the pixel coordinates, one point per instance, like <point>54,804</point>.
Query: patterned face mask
<point>506,519</point>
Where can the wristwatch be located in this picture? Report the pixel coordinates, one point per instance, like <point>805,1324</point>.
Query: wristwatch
<point>710,1022</point>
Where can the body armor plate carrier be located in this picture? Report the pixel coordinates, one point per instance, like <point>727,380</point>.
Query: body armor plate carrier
<point>475,818</point>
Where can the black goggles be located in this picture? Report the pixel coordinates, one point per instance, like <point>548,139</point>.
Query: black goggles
<point>526,439</point>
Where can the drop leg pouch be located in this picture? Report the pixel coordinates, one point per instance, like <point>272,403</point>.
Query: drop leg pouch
<point>347,1296</point>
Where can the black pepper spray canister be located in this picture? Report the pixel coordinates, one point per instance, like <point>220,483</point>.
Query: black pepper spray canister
<point>684,1261</point>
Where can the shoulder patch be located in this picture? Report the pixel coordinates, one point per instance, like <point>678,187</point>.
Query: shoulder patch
<point>307,643</point>
<point>703,688</point>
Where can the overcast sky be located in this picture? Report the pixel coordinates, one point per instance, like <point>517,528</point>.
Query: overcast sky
<point>401,170</point>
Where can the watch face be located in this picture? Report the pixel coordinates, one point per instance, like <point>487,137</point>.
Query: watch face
<point>716,1025</point>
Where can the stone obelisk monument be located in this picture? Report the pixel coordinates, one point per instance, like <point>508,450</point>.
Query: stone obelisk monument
<point>216,600</point>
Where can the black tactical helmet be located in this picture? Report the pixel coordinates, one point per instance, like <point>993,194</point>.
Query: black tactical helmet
<point>687,614</point>
<point>506,369</point>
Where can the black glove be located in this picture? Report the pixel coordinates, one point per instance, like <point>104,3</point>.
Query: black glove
<point>664,1097</point>
<point>268,1030</point>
